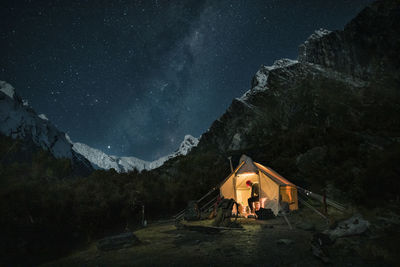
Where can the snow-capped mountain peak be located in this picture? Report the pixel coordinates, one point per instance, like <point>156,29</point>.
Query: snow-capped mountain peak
<point>188,143</point>
<point>260,79</point>
<point>101,160</point>
<point>19,121</point>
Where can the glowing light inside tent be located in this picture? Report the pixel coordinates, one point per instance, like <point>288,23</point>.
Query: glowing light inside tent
<point>289,193</point>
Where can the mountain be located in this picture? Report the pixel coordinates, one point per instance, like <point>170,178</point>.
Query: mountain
<point>20,121</point>
<point>334,82</point>
<point>101,160</point>
<point>330,118</point>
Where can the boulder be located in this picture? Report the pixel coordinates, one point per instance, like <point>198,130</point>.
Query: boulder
<point>118,241</point>
<point>353,226</point>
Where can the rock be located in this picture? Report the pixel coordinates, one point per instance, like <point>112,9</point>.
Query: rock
<point>118,241</point>
<point>354,226</point>
<point>284,241</point>
<point>306,226</point>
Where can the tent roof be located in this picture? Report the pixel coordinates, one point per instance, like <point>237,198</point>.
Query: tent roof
<point>277,178</point>
<point>246,164</point>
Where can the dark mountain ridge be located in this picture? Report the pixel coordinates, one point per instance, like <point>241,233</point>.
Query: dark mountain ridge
<point>331,117</point>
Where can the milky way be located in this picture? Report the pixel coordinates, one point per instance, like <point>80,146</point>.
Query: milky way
<point>133,77</point>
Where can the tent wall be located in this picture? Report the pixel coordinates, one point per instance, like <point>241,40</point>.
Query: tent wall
<point>289,195</point>
<point>269,193</point>
<point>242,195</point>
<point>227,189</point>
<point>241,180</point>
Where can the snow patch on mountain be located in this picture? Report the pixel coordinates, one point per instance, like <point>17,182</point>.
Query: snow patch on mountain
<point>7,89</point>
<point>101,160</point>
<point>318,34</point>
<point>43,117</point>
<point>20,121</point>
<point>188,143</point>
<point>260,80</point>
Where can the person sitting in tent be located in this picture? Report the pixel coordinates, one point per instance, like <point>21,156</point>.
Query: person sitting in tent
<point>255,194</point>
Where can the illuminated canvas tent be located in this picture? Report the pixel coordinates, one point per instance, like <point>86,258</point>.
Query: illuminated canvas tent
<point>274,189</point>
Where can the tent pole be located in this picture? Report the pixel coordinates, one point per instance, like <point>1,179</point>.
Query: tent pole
<point>205,206</point>
<point>320,198</point>
<point>234,187</point>
<point>287,221</point>
<point>206,195</point>
<point>312,208</point>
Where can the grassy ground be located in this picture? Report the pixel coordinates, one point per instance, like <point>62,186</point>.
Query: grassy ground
<point>163,244</point>
<point>166,245</point>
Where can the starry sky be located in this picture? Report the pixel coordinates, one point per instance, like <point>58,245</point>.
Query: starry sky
<point>131,78</point>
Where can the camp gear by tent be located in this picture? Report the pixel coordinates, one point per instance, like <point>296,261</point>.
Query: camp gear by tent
<point>274,189</point>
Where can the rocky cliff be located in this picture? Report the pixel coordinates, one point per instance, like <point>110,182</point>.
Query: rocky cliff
<point>328,115</point>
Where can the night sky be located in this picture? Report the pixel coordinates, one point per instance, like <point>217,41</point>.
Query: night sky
<point>133,77</point>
